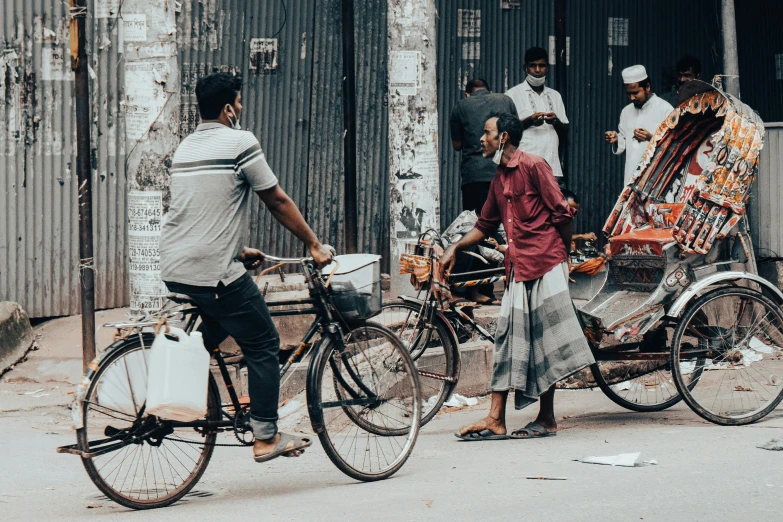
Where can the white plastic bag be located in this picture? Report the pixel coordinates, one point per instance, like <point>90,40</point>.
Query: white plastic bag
<point>178,377</point>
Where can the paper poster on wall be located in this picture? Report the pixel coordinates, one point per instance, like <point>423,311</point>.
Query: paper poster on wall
<point>106,8</point>
<point>779,66</point>
<point>618,31</point>
<point>144,97</point>
<point>471,50</point>
<point>510,4</point>
<point>469,23</point>
<point>263,56</point>
<point>145,213</point>
<point>134,27</point>
<point>55,64</point>
<point>405,72</point>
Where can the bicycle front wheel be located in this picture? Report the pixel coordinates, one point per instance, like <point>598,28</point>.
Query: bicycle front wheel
<point>427,339</point>
<point>364,401</point>
<point>137,460</point>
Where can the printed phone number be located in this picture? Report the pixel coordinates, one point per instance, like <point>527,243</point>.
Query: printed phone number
<point>144,267</point>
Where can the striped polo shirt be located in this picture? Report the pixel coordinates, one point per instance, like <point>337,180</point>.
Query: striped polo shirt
<point>214,173</point>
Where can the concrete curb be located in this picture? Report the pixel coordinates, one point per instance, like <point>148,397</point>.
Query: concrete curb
<point>16,335</point>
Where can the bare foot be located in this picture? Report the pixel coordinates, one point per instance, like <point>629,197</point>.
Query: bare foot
<point>487,423</point>
<point>548,422</point>
<point>477,297</point>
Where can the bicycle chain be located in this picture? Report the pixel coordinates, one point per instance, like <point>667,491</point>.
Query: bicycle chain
<point>216,444</point>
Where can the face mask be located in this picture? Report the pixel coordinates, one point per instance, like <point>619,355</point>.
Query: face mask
<point>235,123</point>
<point>498,154</point>
<point>536,82</point>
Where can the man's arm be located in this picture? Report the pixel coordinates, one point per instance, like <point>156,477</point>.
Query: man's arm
<point>284,210</point>
<point>472,238</point>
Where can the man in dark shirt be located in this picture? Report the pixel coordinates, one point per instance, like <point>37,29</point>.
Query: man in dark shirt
<point>538,340</point>
<point>467,126</point>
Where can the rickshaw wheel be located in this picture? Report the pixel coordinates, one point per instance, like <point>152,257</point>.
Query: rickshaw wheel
<point>653,390</point>
<point>735,337</point>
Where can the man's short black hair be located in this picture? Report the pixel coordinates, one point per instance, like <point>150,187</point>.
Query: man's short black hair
<point>476,83</point>
<point>689,62</point>
<point>510,124</point>
<point>536,53</point>
<point>215,91</point>
<point>567,194</point>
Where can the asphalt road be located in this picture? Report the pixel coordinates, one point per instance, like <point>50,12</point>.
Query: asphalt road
<point>704,472</point>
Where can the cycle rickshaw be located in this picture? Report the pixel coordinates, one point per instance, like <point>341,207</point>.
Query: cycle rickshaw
<point>683,313</point>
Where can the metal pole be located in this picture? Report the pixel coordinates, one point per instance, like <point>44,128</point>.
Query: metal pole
<point>730,55</point>
<point>349,123</point>
<point>561,79</point>
<point>82,93</point>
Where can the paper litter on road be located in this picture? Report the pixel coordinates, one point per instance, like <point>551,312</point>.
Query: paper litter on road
<point>772,445</point>
<point>39,390</point>
<point>458,401</point>
<point>626,460</point>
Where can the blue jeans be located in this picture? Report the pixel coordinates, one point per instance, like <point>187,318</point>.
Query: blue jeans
<point>239,310</point>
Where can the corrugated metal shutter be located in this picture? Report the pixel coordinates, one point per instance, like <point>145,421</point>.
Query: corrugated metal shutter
<point>39,235</point>
<point>767,204</point>
<point>496,55</point>
<point>658,34</point>
<point>760,47</point>
<point>325,202</point>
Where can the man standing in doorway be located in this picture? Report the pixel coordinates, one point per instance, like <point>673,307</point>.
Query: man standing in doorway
<point>539,340</point>
<point>467,126</point>
<point>214,173</point>
<point>542,112</point>
<point>639,119</point>
<point>688,68</point>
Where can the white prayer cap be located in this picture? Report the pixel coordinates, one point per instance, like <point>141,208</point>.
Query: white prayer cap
<point>634,74</point>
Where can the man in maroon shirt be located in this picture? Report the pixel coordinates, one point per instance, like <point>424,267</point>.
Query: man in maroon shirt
<point>539,340</point>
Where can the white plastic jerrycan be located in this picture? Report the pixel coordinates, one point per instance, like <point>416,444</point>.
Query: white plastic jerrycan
<point>178,377</point>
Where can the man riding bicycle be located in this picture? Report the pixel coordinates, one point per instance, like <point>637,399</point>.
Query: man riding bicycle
<point>203,253</point>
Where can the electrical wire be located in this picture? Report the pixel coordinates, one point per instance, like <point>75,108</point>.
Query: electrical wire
<point>285,19</point>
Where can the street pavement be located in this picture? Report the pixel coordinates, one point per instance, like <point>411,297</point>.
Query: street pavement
<point>704,472</point>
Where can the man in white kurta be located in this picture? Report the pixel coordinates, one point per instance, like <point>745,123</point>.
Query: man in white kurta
<point>541,110</point>
<point>639,119</point>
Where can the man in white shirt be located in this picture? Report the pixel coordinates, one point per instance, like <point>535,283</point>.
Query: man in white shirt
<point>541,110</point>
<point>639,119</point>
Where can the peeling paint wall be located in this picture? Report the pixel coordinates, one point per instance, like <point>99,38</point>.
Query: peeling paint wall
<point>292,103</point>
<point>39,231</point>
<point>152,110</point>
<point>414,173</point>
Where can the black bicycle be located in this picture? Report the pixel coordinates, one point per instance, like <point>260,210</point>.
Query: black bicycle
<point>362,390</point>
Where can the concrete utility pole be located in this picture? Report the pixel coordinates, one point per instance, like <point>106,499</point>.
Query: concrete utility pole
<point>349,122</point>
<point>413,127</point>
<point>730,54</point>
<point>79,65</point>
<point>151,103</point>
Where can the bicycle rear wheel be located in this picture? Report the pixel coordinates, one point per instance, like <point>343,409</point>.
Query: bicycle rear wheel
<point>137,460</point>
<point>427,338</point>
<point>365,402</point>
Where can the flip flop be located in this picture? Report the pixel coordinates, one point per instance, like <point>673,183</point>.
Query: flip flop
<point>300,443</point>
<point>481,435</point>
<point>533,430</point>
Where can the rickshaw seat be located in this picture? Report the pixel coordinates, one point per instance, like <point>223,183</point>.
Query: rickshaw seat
<point>648,241</point>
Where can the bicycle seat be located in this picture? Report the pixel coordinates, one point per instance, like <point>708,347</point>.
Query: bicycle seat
<point>180,299</point>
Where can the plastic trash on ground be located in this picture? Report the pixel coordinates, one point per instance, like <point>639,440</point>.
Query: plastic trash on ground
<point>459,401</point>
<point>626,460</point>
<point>772,445</point>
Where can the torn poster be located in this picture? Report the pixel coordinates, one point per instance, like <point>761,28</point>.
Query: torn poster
<point>145,212</point>
<point>144,97</point>
<point>469,23</point>
<point>263,56</point>
<point>405,72</point>
<point>134,27</point>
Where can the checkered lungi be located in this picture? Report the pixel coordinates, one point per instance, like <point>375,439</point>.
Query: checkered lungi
<point>539,340</point>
